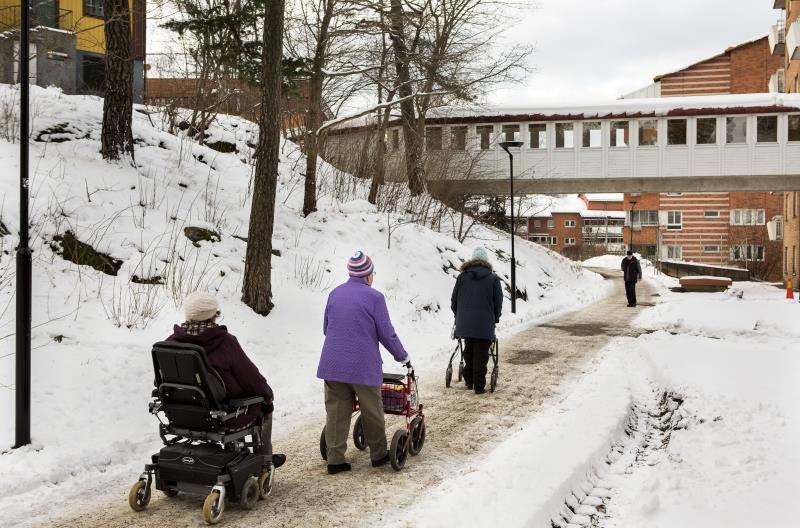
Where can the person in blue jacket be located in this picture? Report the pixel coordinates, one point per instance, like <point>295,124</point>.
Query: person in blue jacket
<point>477,303</point>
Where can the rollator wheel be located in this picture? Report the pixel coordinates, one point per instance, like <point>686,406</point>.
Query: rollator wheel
<point>265,484</point>
<point>398,451</point>
<point>170,492</point>
<point>461,371</point>
<point>323,445</point>
<point>250,494</point>
<point>448,376</point>
<point>359,439</point>
<point>213,507</point>
<point>139,496</point>
<point>493,380</point>
<point>417,435</point>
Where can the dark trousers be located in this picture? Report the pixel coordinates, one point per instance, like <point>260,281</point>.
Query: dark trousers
<point>476,356</point>
<point>630,292</point>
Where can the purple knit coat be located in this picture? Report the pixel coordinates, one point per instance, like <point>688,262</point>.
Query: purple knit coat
<point>356,320</point>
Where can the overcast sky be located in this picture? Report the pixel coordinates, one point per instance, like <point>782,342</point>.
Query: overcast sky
<point>596,50</point>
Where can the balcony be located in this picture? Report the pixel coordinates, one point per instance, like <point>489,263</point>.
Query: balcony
<point>776,82</point>
<point>775,228</point>
<point>43,14</point>
<point>779,4</point>
<point>777,38</point>
<point>793,41</point>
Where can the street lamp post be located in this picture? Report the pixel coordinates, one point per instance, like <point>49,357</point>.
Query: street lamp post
<point>630,237</point>
<point>505,145</point>
<point>23,337</point>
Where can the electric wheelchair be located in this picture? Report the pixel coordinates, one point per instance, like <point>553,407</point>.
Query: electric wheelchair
<point>206,447</point>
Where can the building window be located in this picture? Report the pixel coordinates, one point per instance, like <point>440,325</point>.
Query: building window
<point>676,131</point>
<point>554,240</point>
<point>767,129</point>
<point>648,132</point>
<point>747,252</point>
<point>674,220</point>
<point>433,138</point>
<point>569,241</point>
<point>711,214</point>
<point>748,217</point>
<point>395,139</point>
<point>794,127</point>
<point>458,138</point>
<point>569,223</point>
<point>643,218</point>
<point>538,133</point>
<point>710,249</point>
<point>565,135</point>
<point>537,223</point>
<point>736,130</point>
<point>510,132</point>
<point>551,224</point>
<point>674,252</point>
<point>620,134</point>
<point>545,240</point>
<point>706,131</point>
<point>93,8</point>
<point>592,134</point>
<point>485,136</point>
<point>786,261</point>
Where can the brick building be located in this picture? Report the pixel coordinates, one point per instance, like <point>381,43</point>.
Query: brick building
<point>728,229</point>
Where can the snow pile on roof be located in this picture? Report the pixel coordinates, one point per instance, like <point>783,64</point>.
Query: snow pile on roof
<point>570,203</point>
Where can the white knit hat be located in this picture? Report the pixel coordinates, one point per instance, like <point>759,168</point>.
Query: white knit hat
<point>479,253</point>
<point>200,306</point>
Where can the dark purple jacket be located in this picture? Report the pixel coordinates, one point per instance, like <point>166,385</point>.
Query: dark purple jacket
<point>356,320</point>
<point>240,375</point>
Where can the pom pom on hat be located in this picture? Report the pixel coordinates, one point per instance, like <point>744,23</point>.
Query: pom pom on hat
<point>200,306</point>
<point>360,265</point>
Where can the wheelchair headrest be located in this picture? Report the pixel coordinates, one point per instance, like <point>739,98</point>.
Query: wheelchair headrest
<point>187,364</point>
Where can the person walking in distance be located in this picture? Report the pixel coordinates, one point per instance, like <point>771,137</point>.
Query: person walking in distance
<point>477,303</point>
<point>632,272</point>
<point>356,321</point>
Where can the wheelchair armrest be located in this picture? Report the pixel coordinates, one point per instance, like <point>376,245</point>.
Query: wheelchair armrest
<point>246,401</point>
<point>155,393</point>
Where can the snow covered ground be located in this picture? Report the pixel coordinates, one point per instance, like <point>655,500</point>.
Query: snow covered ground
<point>693,423</point>
<point>92,372</point>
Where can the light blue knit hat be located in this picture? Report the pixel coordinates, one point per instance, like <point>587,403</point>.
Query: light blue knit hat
<point>479,253</point>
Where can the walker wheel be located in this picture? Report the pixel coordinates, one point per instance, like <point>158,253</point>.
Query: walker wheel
<point>250,494</point>
<point>265,483</point>
<point>417,435</point>
<point>493,380</point>
<point>213,507</point>
<point>448,376</point>
<point>323,445</point>
<point>398,450</point>
<point>139,496</point>
<point>461,371</point>
<point>358,434</point>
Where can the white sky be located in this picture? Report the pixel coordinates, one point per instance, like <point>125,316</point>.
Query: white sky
<point>597,50</point>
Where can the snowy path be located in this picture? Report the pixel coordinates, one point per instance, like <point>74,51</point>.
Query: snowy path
<point>533,364</point>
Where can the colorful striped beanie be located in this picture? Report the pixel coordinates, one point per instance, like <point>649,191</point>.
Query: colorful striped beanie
<point>360,265</point>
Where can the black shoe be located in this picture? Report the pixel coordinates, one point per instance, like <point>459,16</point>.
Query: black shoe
<point>381,461</point>
<point>338,468</point>
<point>480,391</point>
<point>469,386</point>
<point>278,460</point>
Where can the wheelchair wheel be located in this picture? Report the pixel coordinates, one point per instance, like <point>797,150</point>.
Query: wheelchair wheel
<point>139,495</point>
<point>359,439</point>
<point>398,450</point>
<point>417,435</point>
<point>213,507</point>
<point>448,376</point>
<point>493,380</point>
<point>323,445</point>
<point>461,371</point>
<point>250,494</point>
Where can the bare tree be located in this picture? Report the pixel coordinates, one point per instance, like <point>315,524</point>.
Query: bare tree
<point>117,135</point>
<point>257,284</point>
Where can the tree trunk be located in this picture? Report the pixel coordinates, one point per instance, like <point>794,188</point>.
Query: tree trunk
<point>257,284</point>
<point>379,176</point>
<point>411,141</point>
<point>117,137</point>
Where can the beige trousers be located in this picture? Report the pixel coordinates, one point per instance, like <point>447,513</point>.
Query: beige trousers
<point>339,409</point>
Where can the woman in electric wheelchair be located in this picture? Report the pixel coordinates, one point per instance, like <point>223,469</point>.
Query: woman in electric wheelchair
<point>213,398</point>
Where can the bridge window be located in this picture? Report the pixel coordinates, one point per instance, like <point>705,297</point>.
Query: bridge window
<point>767,129</point>
<point>433,138</point>
<point>510,132</point>
<point>565,135</point>
<point>648,132</point>
<point>538,132</point>
<point>736,130</point>
<point>676,132</point>
<point>674,220</point>
<point>794,128</point>
<point>706,130</point>
<point>619,134</point>
<point>592,134</point>
<point>485,135</point>
<point>458,138</point>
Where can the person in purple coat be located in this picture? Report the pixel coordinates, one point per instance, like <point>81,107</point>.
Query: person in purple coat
<point>356,322</point>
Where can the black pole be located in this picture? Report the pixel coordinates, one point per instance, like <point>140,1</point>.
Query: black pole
<point>630,227</point>
<point>23,381</point>
<point>513,233</point>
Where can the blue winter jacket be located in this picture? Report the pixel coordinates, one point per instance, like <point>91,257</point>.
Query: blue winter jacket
<point>477,300</point>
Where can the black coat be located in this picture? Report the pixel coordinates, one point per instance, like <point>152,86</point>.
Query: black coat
<point>631,269</point>
<point>477,300</point>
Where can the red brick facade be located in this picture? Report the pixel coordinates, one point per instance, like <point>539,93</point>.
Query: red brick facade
<point>791,212</point>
